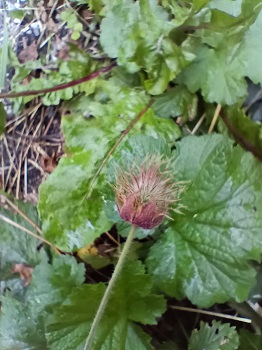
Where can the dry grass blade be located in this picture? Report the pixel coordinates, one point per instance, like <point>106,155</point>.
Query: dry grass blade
<point>2,182</point>
<point>198,124</point>
<point>15,224</point>
<point>11,164</point>
<point>112,238</point>
<point>215,117</point>
<point>211,313</point>
<point>5,200</point>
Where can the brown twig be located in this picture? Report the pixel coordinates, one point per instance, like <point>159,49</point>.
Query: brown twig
<point>60,86</point>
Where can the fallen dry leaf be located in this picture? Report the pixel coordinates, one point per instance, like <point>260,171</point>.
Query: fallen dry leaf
<point>63,54</point>
<point>48,163</point>
<point>25,272</point>
<point>29,53</point>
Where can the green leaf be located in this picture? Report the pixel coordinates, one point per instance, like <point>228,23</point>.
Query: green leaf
<point>17,247</point>
<point>66,15</point>
<point>17,14</point>
<point>78,27</point>
<point>199,4</point>
<point>253,51</point>
<point>70,220</point>
<point>22,324</point>
<point>219,230</point>
<point>216,337</point>
<point>249,340</point>
<point>218,73</point>
<point>69,16</point>
<point>75,35</point>
<point>78,66</point>
<point>233,8</point>
<point>2,118</point>
<point>175,102</point>
<point>221,56</point>
<point>228,22</point>
<point>246,131</point>
<point>137,35</point>
<point>131,301</point>
<point>95,5</point>
<point>256,292</point>
<point>21,328</point>
<point>193,16</point>
<point>124,22</point>
<point>51,284</point>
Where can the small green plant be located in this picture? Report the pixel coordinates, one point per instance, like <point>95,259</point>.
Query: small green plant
<point>69,16</point>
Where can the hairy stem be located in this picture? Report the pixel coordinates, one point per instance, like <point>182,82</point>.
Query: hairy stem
<point>124,133</point>
<point>104,302</point>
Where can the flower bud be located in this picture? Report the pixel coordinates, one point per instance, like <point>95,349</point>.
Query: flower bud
<point>145,193</point>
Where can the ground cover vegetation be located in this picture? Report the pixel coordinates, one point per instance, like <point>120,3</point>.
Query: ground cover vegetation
<point>155,99</point>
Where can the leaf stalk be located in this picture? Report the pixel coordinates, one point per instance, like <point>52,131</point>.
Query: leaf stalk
<point>60,86</point>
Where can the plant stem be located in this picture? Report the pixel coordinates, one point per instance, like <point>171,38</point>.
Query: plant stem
<point>60,86</point>
<point>123,134</point>
<point>111,284</point>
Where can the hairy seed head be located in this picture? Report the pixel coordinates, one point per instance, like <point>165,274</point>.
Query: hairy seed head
<point>146,192</point>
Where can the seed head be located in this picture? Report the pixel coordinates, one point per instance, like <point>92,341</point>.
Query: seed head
<point>145,193</point>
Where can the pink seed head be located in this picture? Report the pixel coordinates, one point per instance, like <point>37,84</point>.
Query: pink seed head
<point>146,192</point>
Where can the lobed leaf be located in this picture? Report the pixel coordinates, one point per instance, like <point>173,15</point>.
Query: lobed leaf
<point>219,73</point>
<point>245,131</point>
<point>204,252</point>
<point>131,301</point>
<point>177,101</point>
<point>17,247</point>
<point>22,324</point>
<point>137,35</point>
<point>223,51</point>
<point>216,337</point>
<point>253,50</point>
<point>21,327</point>
<point>51,284</point>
